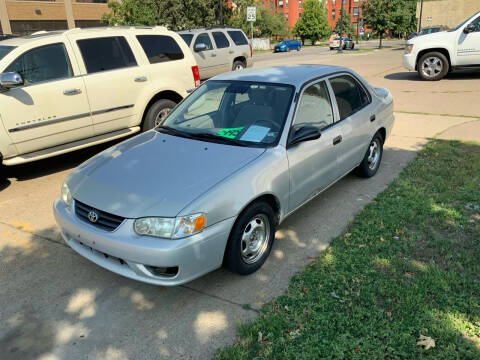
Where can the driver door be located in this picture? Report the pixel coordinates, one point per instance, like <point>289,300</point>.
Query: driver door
<point>468,50</point>
<point>313,164</point>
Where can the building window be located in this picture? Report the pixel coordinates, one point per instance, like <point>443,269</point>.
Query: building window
<point>280,4</point>
<point>355,11</point>
<point>333,2</point>
<point>333,14</point>
<point>286,4</point>
<point>299,4</point>
<point>286,16</point>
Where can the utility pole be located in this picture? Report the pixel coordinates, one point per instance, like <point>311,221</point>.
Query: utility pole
<point>340,48</point>
<point>421,14</point>
<point>220,12</point>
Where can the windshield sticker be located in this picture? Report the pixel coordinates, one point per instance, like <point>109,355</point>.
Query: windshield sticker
<point>255,133</point>
<point>230,133</point>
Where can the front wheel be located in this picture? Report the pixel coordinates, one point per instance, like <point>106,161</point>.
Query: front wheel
<point>353,46</point>
<point>372,159</point>
<point>238,65</point>
<point>157,113</point>
<point>299,48</point>
<point>433,66</point>
<point>251,239</point>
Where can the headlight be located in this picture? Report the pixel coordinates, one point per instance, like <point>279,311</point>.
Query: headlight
<point>170,228</point>
<point>409,49</point>
<point>66,196</point>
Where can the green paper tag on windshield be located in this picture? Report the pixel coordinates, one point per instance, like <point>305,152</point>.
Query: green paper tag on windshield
<point>230,133</point>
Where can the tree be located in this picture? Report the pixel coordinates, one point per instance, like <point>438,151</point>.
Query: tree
<point>313,24</point>
<point>347,25</point>
<point>175,14</point>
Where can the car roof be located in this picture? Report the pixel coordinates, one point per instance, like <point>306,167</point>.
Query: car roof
<point>295,75</point>
<point>194,31</point>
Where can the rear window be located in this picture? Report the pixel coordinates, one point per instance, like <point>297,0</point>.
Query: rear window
<point>187,38</point>
<point>238,37</point>
<point>108,53</point>
<point>160,48</point>
<point>220,40</point>
<point>4,50</point>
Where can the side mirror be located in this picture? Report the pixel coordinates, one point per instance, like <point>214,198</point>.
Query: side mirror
<point>200,47</point>
<point>10,80</point>
<point>301,134</point>
<point>469,29</point>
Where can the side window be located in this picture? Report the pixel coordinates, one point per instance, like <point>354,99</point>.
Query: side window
<point>160,48</point>
<point>476,23</point>
<point>45,63</point>
<point>204,38</point>
<point>238,37</point>
<point>108,53</point>
<point>315,107</point>
<point>220,40</point>
<point>350,95</point>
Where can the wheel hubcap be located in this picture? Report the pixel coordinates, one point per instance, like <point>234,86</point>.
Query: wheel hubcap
<point>373,154</point>
<point>161,116</point>
<point>238,67</point>
<point>432,66</point>
<point>255,239</point>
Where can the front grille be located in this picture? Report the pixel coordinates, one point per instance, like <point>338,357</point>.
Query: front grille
<point>105,221</point>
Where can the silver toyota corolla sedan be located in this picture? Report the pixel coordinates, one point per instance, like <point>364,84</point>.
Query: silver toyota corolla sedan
<point>210,184</point>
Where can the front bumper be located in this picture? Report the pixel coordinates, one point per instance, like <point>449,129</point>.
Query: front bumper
<point>126,253</point>
<point>409,61</point>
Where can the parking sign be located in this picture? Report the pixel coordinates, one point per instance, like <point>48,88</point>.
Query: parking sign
<point>251,13</point>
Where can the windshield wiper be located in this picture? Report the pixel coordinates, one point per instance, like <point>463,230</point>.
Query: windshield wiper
<point>209,136</point>
<point>173,131</point>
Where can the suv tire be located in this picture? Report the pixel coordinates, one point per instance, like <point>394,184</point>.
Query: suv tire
<point>157,113</point>
<point>238,65</point>
<point>243,255</point>
<point>433,66</point>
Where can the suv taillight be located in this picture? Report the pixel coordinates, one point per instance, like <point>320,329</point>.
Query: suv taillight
<point>251,50</point>
<point>196,75</point>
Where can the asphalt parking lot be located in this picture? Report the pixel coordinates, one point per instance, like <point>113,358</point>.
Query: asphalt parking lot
<point>57,305</point>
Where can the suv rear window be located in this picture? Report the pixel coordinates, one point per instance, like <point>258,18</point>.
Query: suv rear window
<point>108,53</point>
<point>187,38</point>
<point>238,37</point>
<point>160,48</point>
<point>220,40</point>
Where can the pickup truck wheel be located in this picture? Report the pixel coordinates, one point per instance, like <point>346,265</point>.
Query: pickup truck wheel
<point>372,159</point>
<point>433,66</point>
<point>157,113</point>
<point>251,239</point>
<point>238,65</point>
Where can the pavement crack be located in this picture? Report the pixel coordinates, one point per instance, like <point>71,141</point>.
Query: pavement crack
<point>219,298</point>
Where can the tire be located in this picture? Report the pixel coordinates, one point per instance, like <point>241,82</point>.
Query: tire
<point>353,46</point>
<point>299,48</point>
<point>288,49</point>
<point>157,113</point>
<point>345,47</point>
<point>367,169</point>
<point>240,258</point>
<point>433,66</point>
<point>238,65</point>
<point>331,48</point>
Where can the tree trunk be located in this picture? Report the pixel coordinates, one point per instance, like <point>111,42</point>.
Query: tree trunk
<point>381,36</point>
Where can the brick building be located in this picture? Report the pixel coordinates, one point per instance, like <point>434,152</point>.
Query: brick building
<point>24,17</point>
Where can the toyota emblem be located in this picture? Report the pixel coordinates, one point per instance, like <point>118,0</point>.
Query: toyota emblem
<point>93,216</point>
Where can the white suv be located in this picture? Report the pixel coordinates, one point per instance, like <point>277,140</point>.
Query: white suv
<point>434,55</point>
<point>65,90</point>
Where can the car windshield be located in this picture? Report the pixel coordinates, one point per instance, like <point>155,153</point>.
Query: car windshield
<point>187,38</point>
<point>239,113</point>
<point>4,50</point>
<point>462,23</point>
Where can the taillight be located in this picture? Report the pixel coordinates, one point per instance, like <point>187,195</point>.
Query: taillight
<point>196,75</point>
<point>251,50</point>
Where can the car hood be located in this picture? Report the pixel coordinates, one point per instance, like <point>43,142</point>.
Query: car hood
<point>434,38</point>
<point>155,174</point>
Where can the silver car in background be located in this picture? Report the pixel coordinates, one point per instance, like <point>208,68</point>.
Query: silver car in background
<point>212,183</point>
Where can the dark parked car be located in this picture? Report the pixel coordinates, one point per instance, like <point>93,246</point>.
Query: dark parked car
<point>428,30</point>
<point>5,37</point>
<point>288,45</point>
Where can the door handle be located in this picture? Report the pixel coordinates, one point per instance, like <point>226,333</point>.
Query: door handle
<point>231,52</point>
<point>213,54</point>
<point>337,140</point>
<point>72,92</point>
<point>140,79</point>
<point>373,118</point>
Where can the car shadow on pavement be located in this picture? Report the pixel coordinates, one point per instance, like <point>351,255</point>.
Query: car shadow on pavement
<point>456,75</point>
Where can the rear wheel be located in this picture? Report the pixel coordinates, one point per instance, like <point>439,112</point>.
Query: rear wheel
<point>433,66</point>
<point>372,159</point>
<point>299,48</point>
<point>353,45</point>
<point>157,113</point>
<point>251,239</point>
<point>238,65</point>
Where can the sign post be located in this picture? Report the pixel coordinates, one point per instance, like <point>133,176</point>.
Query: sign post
<point>251,17</point>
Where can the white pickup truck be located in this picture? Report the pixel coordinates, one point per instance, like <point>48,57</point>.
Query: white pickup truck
<point>435,55</point>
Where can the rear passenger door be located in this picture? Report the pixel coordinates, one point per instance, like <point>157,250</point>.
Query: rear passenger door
<point>223,51</point>
<point>113,80</point>
<point>356,114</point>
<point>207,60</point>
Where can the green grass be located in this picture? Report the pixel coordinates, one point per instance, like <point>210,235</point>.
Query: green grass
<point>409,264</point>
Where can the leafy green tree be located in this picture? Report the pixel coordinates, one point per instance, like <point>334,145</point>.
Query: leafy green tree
<point>347,27</point>
<point>175,14</point>
<point>313,24</point>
